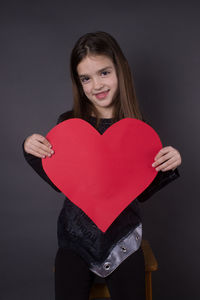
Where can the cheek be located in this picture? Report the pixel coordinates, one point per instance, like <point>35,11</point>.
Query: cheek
<point>86,89</point>
<point>115,83</point>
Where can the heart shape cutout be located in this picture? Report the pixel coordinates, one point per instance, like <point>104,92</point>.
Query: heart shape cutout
<point>102,173</point>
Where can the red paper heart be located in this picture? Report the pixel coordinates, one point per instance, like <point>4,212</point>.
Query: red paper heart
<point>102,174</point>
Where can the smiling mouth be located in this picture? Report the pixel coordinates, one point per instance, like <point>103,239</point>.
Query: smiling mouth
<point>102,95</point>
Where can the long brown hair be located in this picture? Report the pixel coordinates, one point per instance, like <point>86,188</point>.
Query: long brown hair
<point>125,103</point>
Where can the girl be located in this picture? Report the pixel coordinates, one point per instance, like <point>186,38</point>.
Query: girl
<point>103,94</point>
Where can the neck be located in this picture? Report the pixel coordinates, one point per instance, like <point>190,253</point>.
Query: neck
<point>104,114</point>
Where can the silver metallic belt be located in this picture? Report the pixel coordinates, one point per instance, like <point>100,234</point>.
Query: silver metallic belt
<point>124,248</point>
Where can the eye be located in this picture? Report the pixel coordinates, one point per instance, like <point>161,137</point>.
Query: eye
<point>85,79</point>
<point>104,73</point>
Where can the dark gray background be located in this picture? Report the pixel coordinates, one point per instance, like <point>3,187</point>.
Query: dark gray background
<point>161,42</point>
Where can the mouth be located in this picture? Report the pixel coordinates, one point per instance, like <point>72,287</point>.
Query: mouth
<point>102,95</point>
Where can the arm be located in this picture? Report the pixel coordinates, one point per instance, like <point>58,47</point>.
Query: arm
<point>161,180</point>
<point>166,162</point>
<point>36,163</point>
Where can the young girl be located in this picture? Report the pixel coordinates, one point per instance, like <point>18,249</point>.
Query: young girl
<point>103,94</point>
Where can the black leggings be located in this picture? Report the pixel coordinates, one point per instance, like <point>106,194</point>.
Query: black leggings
<point>73,279</point>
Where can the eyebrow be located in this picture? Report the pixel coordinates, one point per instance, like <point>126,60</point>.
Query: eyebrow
<point>99,71</point>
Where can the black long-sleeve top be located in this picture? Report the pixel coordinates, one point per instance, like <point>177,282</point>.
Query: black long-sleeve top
<point>77,231</point>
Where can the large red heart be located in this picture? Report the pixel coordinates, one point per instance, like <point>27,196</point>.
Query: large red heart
<point>102,174</point>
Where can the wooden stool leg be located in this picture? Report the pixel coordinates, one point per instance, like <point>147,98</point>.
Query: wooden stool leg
<point>101,291</point>
<point>148,284</point>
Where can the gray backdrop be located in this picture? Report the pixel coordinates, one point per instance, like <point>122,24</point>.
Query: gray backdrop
<point>161,42</point>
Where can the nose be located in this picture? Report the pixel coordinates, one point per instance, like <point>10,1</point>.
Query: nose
<point>97,84</point>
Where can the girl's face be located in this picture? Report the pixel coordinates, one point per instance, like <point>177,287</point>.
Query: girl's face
<point>99,81</point>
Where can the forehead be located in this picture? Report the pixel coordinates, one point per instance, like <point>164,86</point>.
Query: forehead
<point>93,63</point>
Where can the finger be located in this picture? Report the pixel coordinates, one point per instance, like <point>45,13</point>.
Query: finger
<point>40,151</point>
<point>171,167</point>
<point>166,164</point>
<point>35,153</point>
<point>162,159</point>
<point>163,151</point>
<point>175,160</point>
<point>42,139</point>
<point>40,147</point>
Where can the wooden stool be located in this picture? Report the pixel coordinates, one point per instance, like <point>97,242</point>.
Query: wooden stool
<point>100,290</point>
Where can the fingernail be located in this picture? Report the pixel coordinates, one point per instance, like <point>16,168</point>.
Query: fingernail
<point>52,151</point>
<point>43,156</point>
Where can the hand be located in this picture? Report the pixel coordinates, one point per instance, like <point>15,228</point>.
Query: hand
<point>38,145</point>
<point>167,159</point>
